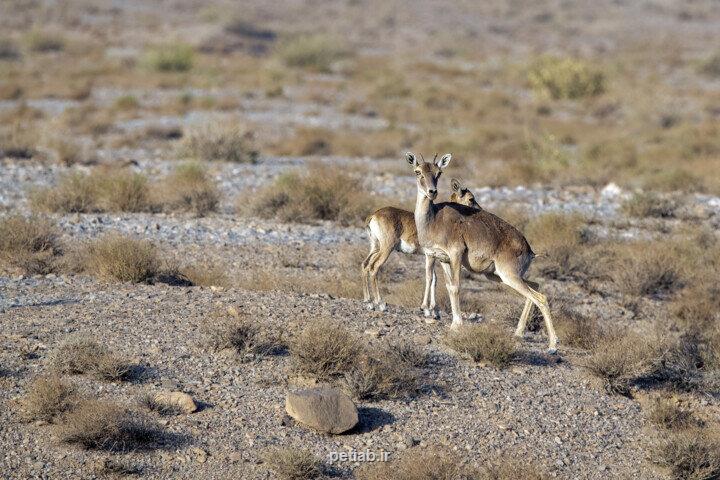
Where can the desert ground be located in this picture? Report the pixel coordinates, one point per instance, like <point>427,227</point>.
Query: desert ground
<point>184,187</point>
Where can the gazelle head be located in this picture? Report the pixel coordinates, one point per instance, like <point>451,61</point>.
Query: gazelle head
<point>461,194</point>
<point>428,173</point>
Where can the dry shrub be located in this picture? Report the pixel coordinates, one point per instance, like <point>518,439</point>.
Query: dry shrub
<point>383,373</point>
<point>103,190</point>
<point>170,58</point>
<point>68,152</point>
<point>250,339</point>
<point>30,244</point>
<point>510,469</point>
<point>668,414</point>
<point>8,50</point>
<point>566,78</point>
<point>697,307</point>
<point>485,342</point>
<point>18,141</point>
<point>95,424</point>
<point>639,269</point>
<point>620,359</point>
<point>218,142</point>
<point>43,41</point>
<point>321,193</point>
<point>325,349</point>
<point>649,204</point>
<point>81,354</point>
<point>691,454</point>
<point>689,362</point>
<point>189,188</point>
<point>576,330</point>
<point>419,464</point>
<point>115,257</point>
<point>314,52</point>
<point>47,397</point>
<point>293,463</point>
<point>559,237</point>
<point>206,276</point>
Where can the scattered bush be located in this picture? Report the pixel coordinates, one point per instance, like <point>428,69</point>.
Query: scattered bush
<point>691,454</point>
<point>18,141</point>
<point>170,58</point>
<point>205,276</point>
<point>314,52</point>
<point>322,193</point>
<point>559,78</point>
<point>325,349</point>
<point>247,337</point>
<point>620,359</point>
<point>43,41</point>
<point>697,307</point>
<point>687,362</point>
<point>576,330</point>
<point>667,414</point>
<point>67,151</point>
<point>293,464</point>
<point>216,142</point>
<point>74,193</point>
<point>710,66</point>
<point>80,355</point>
<point>483,342</point>
<point>48,397</point>
<point>189,188</point>
<point>30,244</point>
<point>382,373</point>
<point>8,50</point>
<point>124,259</point>
<point>639,269</point>
<point>559,237</point>
<point>419,464</point>
<point>95,424</point>
<point>649,204</point>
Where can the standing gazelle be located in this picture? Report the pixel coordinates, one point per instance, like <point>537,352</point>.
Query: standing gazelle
<point>476,239</point>
<point>391,228</point>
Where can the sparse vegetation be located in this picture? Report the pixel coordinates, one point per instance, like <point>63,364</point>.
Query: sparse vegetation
<point>669,415</point>
<point>170,58</point>
<point>189,188</point>
<point>382,373</point>
<point>620,359</point>
<point>559,237</point>
<point>569,78</point>
<point>218,142</point>
<point>710,66</point>
<point>29,244</point>
<point>205,276</point>
<point>114,257</point>
<point>576,330</point>
<point>83,355</point>
<point>691,454</point>
<point>419,464</point>
<point>48,397</point>
<point>101,425</point>
<point>325,349</point>
<point>246,336</point>
<point>293,463</point>
<point>646,268</point>
<point>43,41</point>
<point>8,50</point>
<point>322,193</point>
<point>649,204</point>
<point>483,342</point>
<point>315,52</point>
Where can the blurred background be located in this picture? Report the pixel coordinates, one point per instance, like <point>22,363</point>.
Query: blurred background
<point>521,92</point>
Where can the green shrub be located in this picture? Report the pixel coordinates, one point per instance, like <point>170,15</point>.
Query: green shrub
<point>566,78</point>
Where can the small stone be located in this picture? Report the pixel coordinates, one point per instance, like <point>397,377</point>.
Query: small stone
<point>324,409</point>
<point>558,441</point>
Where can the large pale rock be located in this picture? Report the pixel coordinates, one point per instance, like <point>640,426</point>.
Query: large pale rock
<point>324,409</point>
<point>179,400</point>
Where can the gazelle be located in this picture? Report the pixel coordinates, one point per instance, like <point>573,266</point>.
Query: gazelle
<point>390,229</point>
<point>476,239</point>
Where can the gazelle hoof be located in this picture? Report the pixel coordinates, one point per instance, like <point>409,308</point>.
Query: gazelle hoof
<point>427,312</point>
<point>370,307</point>
<point>382,306</point>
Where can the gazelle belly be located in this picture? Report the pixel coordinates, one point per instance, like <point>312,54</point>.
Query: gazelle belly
<point>406,247</point>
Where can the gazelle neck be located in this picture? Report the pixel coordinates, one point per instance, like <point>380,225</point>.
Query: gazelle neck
<point>424,213</point>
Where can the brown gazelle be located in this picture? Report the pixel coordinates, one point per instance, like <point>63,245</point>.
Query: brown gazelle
<point>476,239</point>
<point>390,229</point>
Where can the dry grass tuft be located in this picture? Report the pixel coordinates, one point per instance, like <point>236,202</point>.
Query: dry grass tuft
<point>649,204</point>
<point>419,464</point>
<point>170,58</point>
<point>322,193</point>
<point>250,339</point>
<point>382,373</point>
<point>95,424</point>
<point>43,41</point>
<point>668,414</point>
<point>576,330</point>
<point>80,355</point>
<point>189,188</point>
<point>114,257</point>
<point>640,269</point>
<point>691,454</point>
<point>293,464</point>
<point>9,50</point>
<point>47,397</point>
<point>566,78</point>
<point>483,342</point>
<point>205,276</point>
<point>618,360</point>
<point>218,142</point>
<point>29,244</point>
<point>325,349</point>
<point>72,194</point>
<point>560,238</point>
<point>313,52</point>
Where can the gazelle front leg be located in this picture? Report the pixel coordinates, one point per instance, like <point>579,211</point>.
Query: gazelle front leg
<point>428,305</point>
<point>452,283</point>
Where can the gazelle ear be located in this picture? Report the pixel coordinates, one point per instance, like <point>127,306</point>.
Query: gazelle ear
<point>444,161</point>
<point>455,184</point>
<point>411,158</point>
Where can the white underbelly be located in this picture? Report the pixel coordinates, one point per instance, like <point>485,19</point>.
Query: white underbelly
<point>406,247</point>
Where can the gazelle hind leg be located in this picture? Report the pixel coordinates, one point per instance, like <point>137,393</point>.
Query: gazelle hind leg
<point>518,284</point>
<point>520,330</point>
<point>377,263</point>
